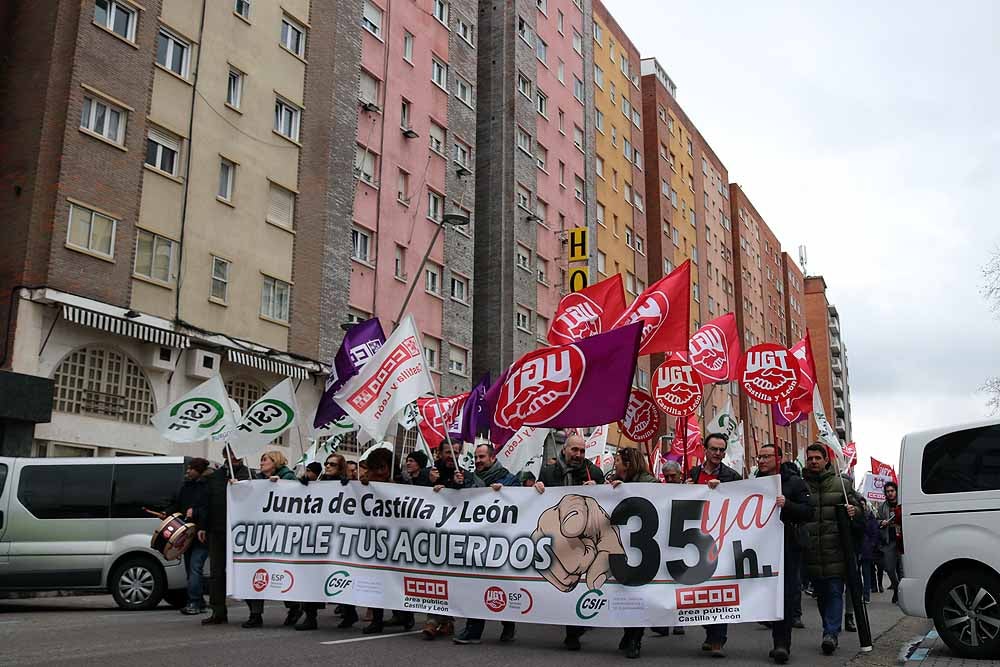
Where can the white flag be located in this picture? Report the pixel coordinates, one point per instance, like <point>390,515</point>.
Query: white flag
<point>377,445</point>
<point>524,451</point>
<point>310,454</point>
<point>394,377</point>
<point>271,415</point>
<point>726,423</point>
<point>826,432</point>
<point>596,445</point>
<point>198,414</point>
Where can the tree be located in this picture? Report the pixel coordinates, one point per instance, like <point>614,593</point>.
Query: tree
<point>991,292</point>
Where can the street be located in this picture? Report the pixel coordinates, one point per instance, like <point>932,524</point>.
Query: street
<point>89,630</point>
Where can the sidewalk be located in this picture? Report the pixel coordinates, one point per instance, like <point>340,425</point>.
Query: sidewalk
<point>931,651</point>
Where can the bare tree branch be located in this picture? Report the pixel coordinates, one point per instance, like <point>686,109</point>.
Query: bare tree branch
<point>991,281</point>
<point>992,389</point>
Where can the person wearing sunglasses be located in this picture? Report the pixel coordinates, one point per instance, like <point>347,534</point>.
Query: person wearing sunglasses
<point>712,473</point>
<point>795,512</point>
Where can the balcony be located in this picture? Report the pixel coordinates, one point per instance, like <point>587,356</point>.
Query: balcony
<point>838,385</point>
<point>837,365</point>
<point>841,424</point>
<point>839,406</point>
<point>835,326</point>
<point>835,347</point>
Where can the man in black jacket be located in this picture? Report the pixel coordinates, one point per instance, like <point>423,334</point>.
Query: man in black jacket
<point>192,502</point>
<point>795,511</point>
<point>215,531</point>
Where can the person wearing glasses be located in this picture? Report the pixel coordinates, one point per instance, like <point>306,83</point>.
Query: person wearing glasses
<point>711,473</point>
<point>795,512</point>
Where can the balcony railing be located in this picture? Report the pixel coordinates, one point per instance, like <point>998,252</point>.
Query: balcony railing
<point>838,385</point>
<point>836,365</point>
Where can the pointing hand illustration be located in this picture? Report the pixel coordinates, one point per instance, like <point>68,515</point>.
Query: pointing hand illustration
<point>582,539</point>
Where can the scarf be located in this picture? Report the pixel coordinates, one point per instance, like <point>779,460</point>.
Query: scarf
<point>493,474</point>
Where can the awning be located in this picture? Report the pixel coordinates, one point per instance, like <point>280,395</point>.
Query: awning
<point>267,364</point>
<point>124,327</point>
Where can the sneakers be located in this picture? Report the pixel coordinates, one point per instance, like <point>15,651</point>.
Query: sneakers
<point>215,619</point>
<point>780,655</point>
<point>717,651</point>
<point>632,648</point>
<point>678,630</point>
<point>190,610</point>
<point>429,631</point>
<point>798,624</point>
<point>507,634</point>
<point>895,596</point>
<point>849,625</point>
<point>372,628</point>
<point>255,621</point>
<point>706,647</point>
<point>829,644</point>
<point>465,637</point>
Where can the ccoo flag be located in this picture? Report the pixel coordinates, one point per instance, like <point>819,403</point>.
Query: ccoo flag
<point>394,377</point>
<point>360,344</point>
<point>586,383</point>
<point>664,311</point>
<point>201,413</point>
<point>591,311</point>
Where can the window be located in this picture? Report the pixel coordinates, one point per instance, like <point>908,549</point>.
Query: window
<point>432,352</point>
<point>599,120</point>
<point>364,165</point>
<point>234,88</point>
<point>436,138</point>
<point>117,17</point>
<point>630,282</point>
<point>523,197</point>
<point>578,137</point>
<point>598,33</point>
<point>578,187</point>
<point>105,382</point>
<point>541,156</point>
<point>523,259</point>
<point>172,52</point>
<point>600,166</point>
<point>399,267</point>
<point>524,30</point>
<point>602,261</point>
<point>371,18</point>
<point>464,91</point>
<point>541,49</point>
<point>403,187</point>
<point>522,319</point>
<point>543,6</point>
<point>561,72</point>
<point>439,73</point>
<point>639,245</point>
<point>600,214</point>
<point>361,242</point>
<point>458,360</point>
<point>441,11</point>
<point>161,151</point>
<point>465,31</point>
<point>541,103</point>
<point>66,492</point>
<point>628,192</point>
<point>629,236</point>
<point>541,327</point>
<point>293,36</point>
<point>690,148</point>
<point>274,299</point>
<point>614,136</point>
<point>562,121</point>
<point>103,118</point>
<point>404,114</point>
<point>153,256</point>
<point>90,230</point>
<point>541,210</point>
<point>143,485</point>
<point>673,197</point>
<point>407,46</point>
<point>675,236</point>
<point>562,173</point>
<point>695,294</point>
<point>368,88</point>
<point>523,140</point>
<point>541,269</point>
<point>242,7</point>
<point>435,206</point>
<point>463,154</point>
<point>432,279</point>
<point>626,107</point>
<point>227,179</point>
<point>598,74</point>
<point>962,462</point>
<point>577,42</point>
<point>220,279</point>
<point>286,119</point>
<point>459,288</point>
<point>668,267</point>
<point>636,118</point>
<point>642,378</point>
<point>524,85</point>
<point>694,255</point>
<point>578,89</point>
<point>280,206</point>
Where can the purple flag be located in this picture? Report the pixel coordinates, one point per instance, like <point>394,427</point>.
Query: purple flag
<point>586,383</point>
<point>473,418</point>
<point>781,420</point>
<point>360,343</point>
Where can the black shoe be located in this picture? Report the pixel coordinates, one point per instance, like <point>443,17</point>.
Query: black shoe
<point>663,631</point>
<point>829,644</point>
<point>632,648</point>
<point>215,619</point>
<point>307,623</point>
<point>798,624</point>
<point>623,643</point>
<point>766,624</point>
<point>255,621</point>
<point>190,610</point>
<point>895,597</point>
<point>349,619</point>
<point>292,617</point>
<point>408,623</point>
<point>678,630</point>
<point>780,655</point>
<point>572,643</point>
<point>372,628</point>
<point>507,633</point>
<point>466,637</point>
<point>849,625</point>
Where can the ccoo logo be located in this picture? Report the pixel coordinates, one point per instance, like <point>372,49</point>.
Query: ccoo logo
<point>540,386</point>
<point>676,389</point>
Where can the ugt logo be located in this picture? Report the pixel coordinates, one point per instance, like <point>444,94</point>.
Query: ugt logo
<point>260,580</point>
<point>540,386</point>
<point>580,318</point>
<point>769,373</point>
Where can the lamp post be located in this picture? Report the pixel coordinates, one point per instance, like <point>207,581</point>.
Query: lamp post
<point>450,219</point>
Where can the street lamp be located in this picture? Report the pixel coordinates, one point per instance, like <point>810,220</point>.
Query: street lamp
<point>450,219</point>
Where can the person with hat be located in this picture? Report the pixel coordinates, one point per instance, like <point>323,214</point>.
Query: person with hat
<point>214,529</point>
<point>192,502</point>
<point>417,471</point>
<point>313,472</point>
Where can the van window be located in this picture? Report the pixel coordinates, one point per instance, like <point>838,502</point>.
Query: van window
<point>3,475</point>
<point>66,492</point>
<point>962,461</point>
<point>152,485</point>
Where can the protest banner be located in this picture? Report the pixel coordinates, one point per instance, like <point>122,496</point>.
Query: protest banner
<point>636,555</point>
<point>873,487</point>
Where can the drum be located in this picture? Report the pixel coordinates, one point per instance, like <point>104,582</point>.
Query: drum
<point>173,537</point>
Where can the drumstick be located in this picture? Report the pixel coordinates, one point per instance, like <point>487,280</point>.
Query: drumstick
<point>158,515</point>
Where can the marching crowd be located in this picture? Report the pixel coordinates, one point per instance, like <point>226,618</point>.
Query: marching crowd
<point>814,556</point>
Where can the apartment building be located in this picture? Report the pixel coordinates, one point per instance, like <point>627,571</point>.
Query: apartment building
<point>176,206</point>
<point>532,176</point>
<point>830,354</point>
<point>795,330</point>
<point>414,162</point>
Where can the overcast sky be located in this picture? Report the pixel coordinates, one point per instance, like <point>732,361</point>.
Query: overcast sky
<point>868,132</point>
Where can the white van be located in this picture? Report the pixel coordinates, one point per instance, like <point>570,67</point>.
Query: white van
<point>949,493</point>
<point>78,524</point>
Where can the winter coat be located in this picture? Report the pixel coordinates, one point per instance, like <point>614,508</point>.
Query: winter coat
<point>725,474</point>
<point>284,472</point>
<point>192,495</point>
<point>558,474</point>
<point>423,478</point>
<point>797,510</point>
<point>217,481</point>
<point>497,474</point>
<point>883,512</point>
<point>825,550</point>
<point>869,545</point>
<point>644,477</point>
<point>447,477</point>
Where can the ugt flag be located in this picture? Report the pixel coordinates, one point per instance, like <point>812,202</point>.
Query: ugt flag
<point>664,312</point>
<point>714,350</point>
<point>438,413</point>
<point>395,376</point>
<point>271,415</point>
<point>201,413</point>
<point>591,311</point>
<point>797,407</point>
<point>586,383</point>
<point>360,344</point>
<point>883,469</point>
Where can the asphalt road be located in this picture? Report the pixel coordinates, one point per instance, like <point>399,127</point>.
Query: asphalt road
<point>92,631</point>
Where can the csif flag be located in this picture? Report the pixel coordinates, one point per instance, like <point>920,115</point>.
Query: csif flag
<point>797,407</point>
<point>586,383</point>
<point>714,350</point>
<point>395,376</point>
<point>826,433</point>
<point>203,412</point>
<point>271,415</point>
<point>664,312</point>
<point>591,311</point>
<point>360,344</point>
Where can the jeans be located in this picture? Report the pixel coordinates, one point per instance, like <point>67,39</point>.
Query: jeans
<point>474,627</point>
<point>716,633</point>
<point>830,600</point>
<point>890,561</point>
<point>217,582</point>
<point>867,576</point>
<point>781,631</point>
<point>194,565</point>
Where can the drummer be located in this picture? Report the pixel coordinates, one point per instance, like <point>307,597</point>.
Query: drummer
<point>192,502</point>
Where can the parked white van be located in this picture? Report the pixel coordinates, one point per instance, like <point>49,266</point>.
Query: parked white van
<point>78,524</point>
<point>949,494</point>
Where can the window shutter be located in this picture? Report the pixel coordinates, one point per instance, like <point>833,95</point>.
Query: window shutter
<point>164,139</point>
<point>281,206</point>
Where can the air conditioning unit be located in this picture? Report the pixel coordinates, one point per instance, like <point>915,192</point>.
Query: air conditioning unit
<point>202,364</point>
<point>159,358</point>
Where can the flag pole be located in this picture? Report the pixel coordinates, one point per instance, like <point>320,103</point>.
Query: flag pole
<point>684,444</point>
<point>437,404</point>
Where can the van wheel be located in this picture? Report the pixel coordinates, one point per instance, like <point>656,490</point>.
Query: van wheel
<point>137,583</point>
<point>967,613</point>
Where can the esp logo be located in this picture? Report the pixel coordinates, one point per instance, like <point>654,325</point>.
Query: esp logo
<point>495,599</point>
<point>433,589</point>
<point>260,580</point>
<point>727,595</point>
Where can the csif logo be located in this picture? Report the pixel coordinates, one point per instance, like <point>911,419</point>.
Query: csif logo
<point>590,604</point>
<point>267,416</point>
<point>337,583</point>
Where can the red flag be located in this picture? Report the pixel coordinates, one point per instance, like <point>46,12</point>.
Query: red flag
<point>695,449</point>
<point>800,404</point>
<point>590,311</point>
<point>851,455</point>
<point>664,310</point>
<point>433,421</point>
<point>885,469</point>
<point>715,350</point>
